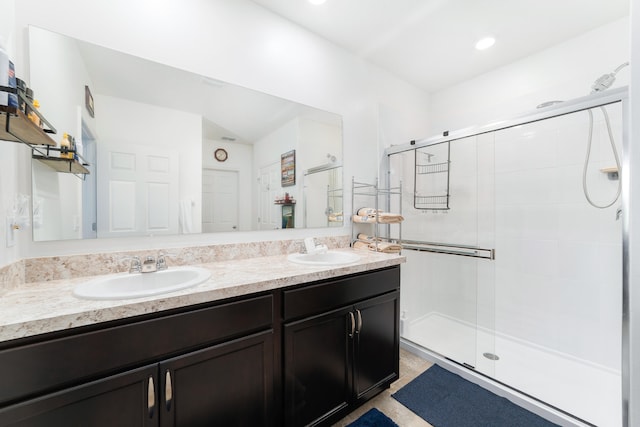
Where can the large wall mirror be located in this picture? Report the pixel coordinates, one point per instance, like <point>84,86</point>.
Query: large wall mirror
<point>172,152</point>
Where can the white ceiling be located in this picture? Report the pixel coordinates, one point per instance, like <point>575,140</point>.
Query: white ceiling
<point>430,43</point>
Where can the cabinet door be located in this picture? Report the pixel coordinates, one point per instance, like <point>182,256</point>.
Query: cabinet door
<point>127,399</point>
<point>230,384</point>
<point>377,348</point>
<point>317,381</point>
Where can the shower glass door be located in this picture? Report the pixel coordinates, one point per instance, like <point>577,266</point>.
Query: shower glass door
<point>447,292</point>
<point>558,266</point>
<point>544,315</point>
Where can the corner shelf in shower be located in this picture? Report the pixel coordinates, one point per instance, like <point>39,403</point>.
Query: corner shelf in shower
<point>431,179</point>
<point>612,172</point>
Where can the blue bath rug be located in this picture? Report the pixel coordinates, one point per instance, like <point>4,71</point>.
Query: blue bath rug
<point>445,399</point>
<point>373,418</point>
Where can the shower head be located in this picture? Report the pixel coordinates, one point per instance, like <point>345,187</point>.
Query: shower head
<point>548,104</point>
<point>605,81</point>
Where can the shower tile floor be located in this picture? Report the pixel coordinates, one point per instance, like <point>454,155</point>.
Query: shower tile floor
<point>589,391</point>
<point>410,367</point>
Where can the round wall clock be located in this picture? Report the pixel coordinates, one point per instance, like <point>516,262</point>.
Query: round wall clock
<point>221,154</point>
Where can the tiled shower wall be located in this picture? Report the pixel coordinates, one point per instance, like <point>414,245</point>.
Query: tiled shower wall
<point>556,281</point>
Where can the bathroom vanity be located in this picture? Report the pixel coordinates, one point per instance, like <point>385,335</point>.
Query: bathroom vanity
<point>302,349</point>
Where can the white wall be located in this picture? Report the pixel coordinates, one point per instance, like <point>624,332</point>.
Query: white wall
<point>242,43</point>
<point>318,139</point>
<point>241,160</point>
<point>8,160</point>
<point>59,195</point>
<point>267,151</point>
<point>562,72</point>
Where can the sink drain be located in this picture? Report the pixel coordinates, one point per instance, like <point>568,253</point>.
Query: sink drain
<point>491,356</point>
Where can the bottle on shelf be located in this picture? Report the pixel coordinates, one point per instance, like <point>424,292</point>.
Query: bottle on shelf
<point>65,146</point>
<point>4,73</point>
<point>12,100</point>
<point>32,115</point>
<point>22,90</point>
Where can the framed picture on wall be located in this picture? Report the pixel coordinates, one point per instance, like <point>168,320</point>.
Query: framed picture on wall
<point>288,168</point>
<point>88,101</point>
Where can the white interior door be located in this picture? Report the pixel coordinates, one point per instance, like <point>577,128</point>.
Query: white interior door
<point>139,188</point>
<point>219,200</point>
<point>269,214</point>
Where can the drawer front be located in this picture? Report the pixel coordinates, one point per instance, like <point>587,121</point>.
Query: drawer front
<point>321,297</point>
<point>36,368</point>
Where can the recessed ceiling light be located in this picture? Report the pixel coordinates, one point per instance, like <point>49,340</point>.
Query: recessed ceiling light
<point>485,43</point>
<point>317,1</point>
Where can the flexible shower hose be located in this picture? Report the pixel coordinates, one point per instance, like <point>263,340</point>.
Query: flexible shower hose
<point>585,188</point>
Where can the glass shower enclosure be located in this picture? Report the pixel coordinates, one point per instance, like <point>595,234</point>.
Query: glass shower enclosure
<point>512,274</point>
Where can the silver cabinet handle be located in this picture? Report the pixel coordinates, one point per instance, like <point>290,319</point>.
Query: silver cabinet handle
<point>353,324</point>
<point>359,322</point>
<point>151,397</point>
<point>168,390</point>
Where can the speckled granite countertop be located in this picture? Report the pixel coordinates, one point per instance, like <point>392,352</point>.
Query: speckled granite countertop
<point>41,307</point>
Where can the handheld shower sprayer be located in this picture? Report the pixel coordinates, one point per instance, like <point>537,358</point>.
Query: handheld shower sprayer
<point>605,81</point>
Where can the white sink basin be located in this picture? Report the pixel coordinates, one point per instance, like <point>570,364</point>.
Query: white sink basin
<point>327,258</point>
<point>138,285</point>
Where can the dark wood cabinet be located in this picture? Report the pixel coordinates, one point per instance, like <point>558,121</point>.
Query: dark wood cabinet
<point>230,366</point>
<point>226,385</point>
<point>304,355</point>
<point>318,380</point>
<point>336,360</point>
<point>377,345</point>
<point>230,384</point>
<point>127,399</point>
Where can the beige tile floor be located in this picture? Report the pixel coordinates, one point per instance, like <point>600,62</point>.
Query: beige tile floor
<point>410,367</point>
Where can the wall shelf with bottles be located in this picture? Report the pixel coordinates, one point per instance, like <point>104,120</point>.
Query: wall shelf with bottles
<point>16,126</point>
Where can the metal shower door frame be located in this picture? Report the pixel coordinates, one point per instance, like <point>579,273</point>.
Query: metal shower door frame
<point>594,100</point>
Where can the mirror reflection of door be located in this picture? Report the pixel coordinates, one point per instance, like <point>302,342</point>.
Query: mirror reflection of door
<point>219,200</point>
<point>141,184</point>
<point>269,215</point>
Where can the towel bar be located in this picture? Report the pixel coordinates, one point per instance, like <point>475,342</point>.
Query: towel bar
<point>447,249</point>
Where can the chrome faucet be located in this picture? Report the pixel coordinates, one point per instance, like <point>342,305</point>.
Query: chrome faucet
<point>135,266</point>
<point>161,262</point>
<point>149,265</point>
